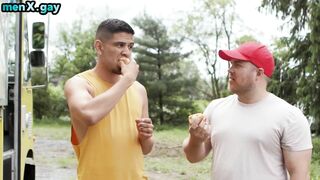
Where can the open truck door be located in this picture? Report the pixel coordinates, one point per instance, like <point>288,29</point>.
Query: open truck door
<point>17,63</point>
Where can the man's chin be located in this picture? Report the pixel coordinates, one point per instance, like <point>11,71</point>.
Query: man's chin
<point>117,71</point>
<point>231,89</point>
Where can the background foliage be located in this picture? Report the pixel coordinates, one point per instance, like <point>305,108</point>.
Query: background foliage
<point>176,87</point>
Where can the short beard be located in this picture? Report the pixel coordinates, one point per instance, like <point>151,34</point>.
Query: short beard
<point>240,90</point>
<point>116,71</point>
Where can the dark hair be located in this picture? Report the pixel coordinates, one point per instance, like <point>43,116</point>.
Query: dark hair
<point>111,26</point>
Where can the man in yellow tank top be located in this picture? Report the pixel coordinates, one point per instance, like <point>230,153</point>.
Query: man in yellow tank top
<point>111,128</point>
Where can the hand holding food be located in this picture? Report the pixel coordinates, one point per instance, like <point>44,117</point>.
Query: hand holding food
<point>196,120</point>
<point>129,68</point>
<point>144,127</point>
<point>125,60</point>
<point>199,127</point>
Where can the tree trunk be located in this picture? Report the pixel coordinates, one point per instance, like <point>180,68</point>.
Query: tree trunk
<point>160,100</point>
<point>161,108</point>
<point>212,86</point>
<point>316,130</point>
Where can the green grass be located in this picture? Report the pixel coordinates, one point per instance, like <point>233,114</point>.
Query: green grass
<point>61,162</point>
<point>315,164</point>
<point>66,162</point>
<point>55,129</point>
<point>167,156</point>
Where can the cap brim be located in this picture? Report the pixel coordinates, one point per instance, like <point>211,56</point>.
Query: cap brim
<point>231,55</point>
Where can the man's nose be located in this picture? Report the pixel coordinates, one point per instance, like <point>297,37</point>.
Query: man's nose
<point>126,51</point>
<point>230,70</point>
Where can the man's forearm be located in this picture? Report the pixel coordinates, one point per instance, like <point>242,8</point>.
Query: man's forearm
<point>146,145</point>
<point>101,105</point>
<point>195,151</point>
<point>297,176</point>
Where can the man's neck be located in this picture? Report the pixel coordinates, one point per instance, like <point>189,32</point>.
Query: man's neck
<point>252,97</point>
<point>106,75</point>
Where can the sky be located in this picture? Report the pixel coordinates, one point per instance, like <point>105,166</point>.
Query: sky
<point>262,25</point>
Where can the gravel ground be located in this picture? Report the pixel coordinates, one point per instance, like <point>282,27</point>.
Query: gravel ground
<point>55,160</point>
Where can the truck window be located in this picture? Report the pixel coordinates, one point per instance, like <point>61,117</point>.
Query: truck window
<point>3,62</point>
<point>26,63</point>
<point>38,35</point>
<point>11,45</point>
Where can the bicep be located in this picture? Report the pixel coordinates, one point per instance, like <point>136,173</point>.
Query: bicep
<point>144,99</point>
<point>145,108</point>
<point>77,95</point>
<point>297,161</point>
<point>208,146</point>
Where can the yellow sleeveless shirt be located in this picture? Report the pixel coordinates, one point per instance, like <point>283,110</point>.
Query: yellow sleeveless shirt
<point>110,149</point>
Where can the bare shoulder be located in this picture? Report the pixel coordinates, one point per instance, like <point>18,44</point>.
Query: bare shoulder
<point>142,92</point>
<point>141,88</point>
<point>72,83</point>
<point>76,84</point>
<point>144,97</point>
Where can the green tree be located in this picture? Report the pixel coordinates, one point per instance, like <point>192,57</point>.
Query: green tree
<point>74,54</point>
<point>301,63</point>
<point>284,75</point>
<point>75,51</point>
<point>161,71</point>
<point>49,100</point>
<point>244,39</point>
<point>210,23</point>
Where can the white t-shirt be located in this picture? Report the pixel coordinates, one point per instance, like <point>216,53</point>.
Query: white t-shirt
<point>247,139</point>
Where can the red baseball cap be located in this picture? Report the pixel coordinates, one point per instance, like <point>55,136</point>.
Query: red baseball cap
<point>256,53</point>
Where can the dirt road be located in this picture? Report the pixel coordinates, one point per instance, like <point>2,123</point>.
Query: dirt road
<point>55,160</point>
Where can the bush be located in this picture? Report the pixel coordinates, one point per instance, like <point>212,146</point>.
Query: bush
<point>49,102</point>
<point>316,150</point>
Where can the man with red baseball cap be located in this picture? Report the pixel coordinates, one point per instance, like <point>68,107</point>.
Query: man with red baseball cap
<point>253,52</point>
<point>254,134</point>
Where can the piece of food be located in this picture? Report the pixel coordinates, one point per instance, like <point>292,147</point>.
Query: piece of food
<point>203,123</point>
<point>196,119</point>
<point>125,60</point>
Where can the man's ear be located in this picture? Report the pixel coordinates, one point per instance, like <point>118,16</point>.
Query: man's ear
<point>260,72</point>
<point>98,45</point>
